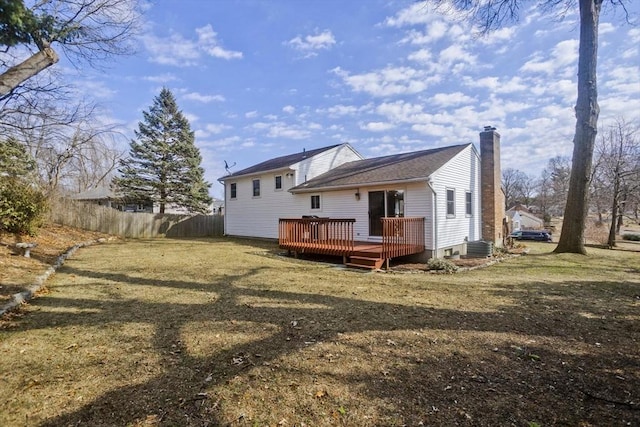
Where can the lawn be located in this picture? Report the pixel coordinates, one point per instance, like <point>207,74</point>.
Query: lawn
<point>230,332</point>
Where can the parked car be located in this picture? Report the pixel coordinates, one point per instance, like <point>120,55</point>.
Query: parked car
<point>537,235</point>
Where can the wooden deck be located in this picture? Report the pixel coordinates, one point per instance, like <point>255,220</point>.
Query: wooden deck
<point>334,236</point>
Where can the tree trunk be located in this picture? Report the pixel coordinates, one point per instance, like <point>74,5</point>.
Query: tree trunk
<point>15,75</point>
<point>587,111</point>
<point>611,241</point>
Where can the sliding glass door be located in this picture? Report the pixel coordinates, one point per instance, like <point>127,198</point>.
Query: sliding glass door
<point>382,204</point>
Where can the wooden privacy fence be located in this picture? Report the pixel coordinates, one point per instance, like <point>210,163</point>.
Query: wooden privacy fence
<point>93,217</point>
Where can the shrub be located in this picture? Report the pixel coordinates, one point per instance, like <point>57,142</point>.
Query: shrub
<point>631,237</point>
<point>596,232</point>
<point>441,265</point>
<point>22,207</point>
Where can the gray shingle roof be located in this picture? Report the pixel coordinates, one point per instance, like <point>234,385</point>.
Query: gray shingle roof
<point>99,193</point>
<point>397,167</point>
<point>278,162</point>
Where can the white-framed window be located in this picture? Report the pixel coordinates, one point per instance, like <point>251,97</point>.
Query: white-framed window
<point>256,188</point>
<point>278,182</point>
<point>315,202</point>
<point>233,190</point>
<point>451,203</point>
<point>468,203</point>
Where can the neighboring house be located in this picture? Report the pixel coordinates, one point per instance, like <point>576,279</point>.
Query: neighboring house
<point>104,196</point>
<point>521,219</point>
<point>431,201</point>
<point>217,207</point>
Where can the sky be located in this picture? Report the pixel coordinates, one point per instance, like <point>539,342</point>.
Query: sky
<point>262,79</point>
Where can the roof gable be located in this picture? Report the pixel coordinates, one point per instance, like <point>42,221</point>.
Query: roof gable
<point>279,162</point>
<point>397,167</point>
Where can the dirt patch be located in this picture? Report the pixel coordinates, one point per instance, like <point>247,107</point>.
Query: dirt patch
<point>18,272</point>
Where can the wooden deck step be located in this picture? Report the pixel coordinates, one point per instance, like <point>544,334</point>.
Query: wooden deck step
<point>371,263</point>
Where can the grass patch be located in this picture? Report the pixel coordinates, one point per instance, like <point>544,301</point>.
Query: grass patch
<point>229,332</point>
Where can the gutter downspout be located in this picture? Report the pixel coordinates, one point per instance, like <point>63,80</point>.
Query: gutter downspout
<point>226,204</point>
<point>434,226</point>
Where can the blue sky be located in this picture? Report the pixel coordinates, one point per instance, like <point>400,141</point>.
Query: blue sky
<point>260,79</point>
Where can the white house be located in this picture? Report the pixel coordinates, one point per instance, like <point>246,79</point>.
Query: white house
<point>374,201</point>
<point>521,219</point>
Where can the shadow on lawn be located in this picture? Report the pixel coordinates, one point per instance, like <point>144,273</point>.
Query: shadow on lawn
<point>496,386</point>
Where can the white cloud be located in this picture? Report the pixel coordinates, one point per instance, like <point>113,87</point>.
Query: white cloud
<point>416,14</point>
<point>289,109</point>
<point>434,32</point>
<point>500,35</point>
<point>343,110</point>
<point>451,99</point>
<point>289,132</point>
<point>495,85</point>
<point>389,81</point>
<point>376,126</point>
<point>211,128</point>
<point>310,44</point>
<point>422,56</point>
<point>281,130</point>
<point>251,114</point>
<point>182,52</point>
<point>195,96</point>
<point>456,53</point>
<point>563,55</point>
<point>191,117</point>
<point>207,40</point>
<point>162,78</point>
<point>172,50</point>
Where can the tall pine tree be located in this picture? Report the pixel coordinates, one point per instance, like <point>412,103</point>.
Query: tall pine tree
<point>164,164</point>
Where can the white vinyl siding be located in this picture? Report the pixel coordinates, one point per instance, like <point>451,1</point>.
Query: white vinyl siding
<point>462,174</point>
<point>258,217</point>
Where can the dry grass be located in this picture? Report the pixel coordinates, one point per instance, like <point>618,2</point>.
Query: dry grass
<point>18,273</point>
<point>228,332</point>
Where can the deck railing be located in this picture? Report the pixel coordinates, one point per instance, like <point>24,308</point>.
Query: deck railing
<point>402,236</point>
<point>329,236</point>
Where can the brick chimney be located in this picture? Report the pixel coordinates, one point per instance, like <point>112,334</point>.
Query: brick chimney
<point>492,196</point>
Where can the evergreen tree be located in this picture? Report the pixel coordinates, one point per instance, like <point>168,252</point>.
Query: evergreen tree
<point>164,164</point>
<point>22,203</point>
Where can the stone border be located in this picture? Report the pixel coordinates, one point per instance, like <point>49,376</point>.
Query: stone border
<point>26,295</point>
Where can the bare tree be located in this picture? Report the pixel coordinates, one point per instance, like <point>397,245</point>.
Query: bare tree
<point>512,183</point>
<point>84,30</point>
<point>37,108</point>
<point>71,157</point>
<point>618,170</point>
<point>490,15</point>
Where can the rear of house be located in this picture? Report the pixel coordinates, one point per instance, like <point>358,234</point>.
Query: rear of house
<point>442,191</point>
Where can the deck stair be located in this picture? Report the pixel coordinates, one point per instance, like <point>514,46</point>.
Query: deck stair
<point>369,259</point>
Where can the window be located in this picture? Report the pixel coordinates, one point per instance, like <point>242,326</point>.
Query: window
<point>469,205</point>
<point>451,203</point>
<point>256,188</point>
<point>233,190</point>
<point>315,202</point>
<point>278,182</point>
